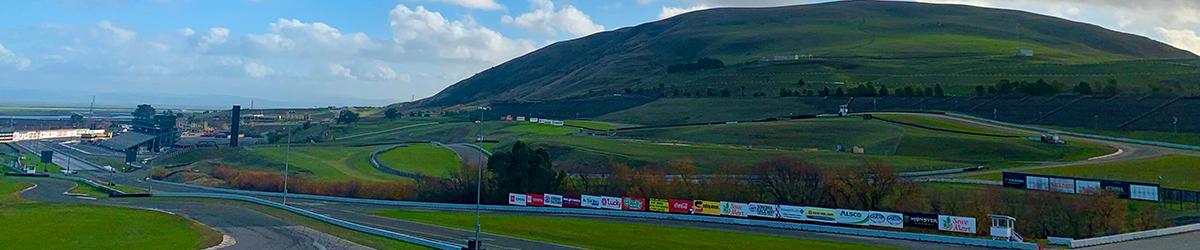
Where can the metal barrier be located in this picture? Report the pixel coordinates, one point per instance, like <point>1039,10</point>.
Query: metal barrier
<point>1073,243</point>
<point>946,239</point>
<point>106,189</point>
<point>320,217</point>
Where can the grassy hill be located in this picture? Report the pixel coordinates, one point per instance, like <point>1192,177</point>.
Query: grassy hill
<point>894,43</point>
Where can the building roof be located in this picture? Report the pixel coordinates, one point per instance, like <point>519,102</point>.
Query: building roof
<point>126,141</point>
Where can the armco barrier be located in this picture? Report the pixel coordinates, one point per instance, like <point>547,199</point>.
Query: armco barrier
<point>1072,243</point>
<point>946,239</point>
<point>108,190</point>
<point>341,223</point>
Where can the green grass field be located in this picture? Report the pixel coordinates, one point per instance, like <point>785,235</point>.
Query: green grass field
<point>942,123</point>
<point>425,159</point>
<point>31,225</point>
<point>600,234</point>
<point>1174,171</point>
<point>331,163</point>
<point>595,125</point>
<point>1180,138</point>
<point>687,110</point>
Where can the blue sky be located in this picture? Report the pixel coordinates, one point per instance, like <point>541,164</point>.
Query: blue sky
<point>308,53</point>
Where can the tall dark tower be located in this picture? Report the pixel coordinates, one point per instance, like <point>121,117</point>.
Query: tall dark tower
<point>234,123</point>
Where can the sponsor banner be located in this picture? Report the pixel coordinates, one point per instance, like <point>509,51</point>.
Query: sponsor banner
<point>1014,180</point>
<point>821,214</point>
<point>572,201</point>
<point>885,219</point>
<point>792,212</point>
<point>535,200</point>
<point>956,224</point>
<point>1120,188</point>
<point>735,209</point>
<point>852,217</point>
<point>680,206</point>
<point>1062,185</point>
<point>659,205</point>
<point>517,199</point>
<point>590,201</point>
<point>763,210</point>
<point>1037,183</point>
<point>1143,192</point>
<point>609,202</point>
<point>707,207</point>
<point>1087,187</point>
<point>919,220</point>
<point>633,204</point>
<point>553,200</point>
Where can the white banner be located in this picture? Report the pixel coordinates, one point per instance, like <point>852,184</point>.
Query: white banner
<point>609,202</point>
<point>590,201</point>
<point>1037,183</point>
<point>852,217</point>
<point>1062,185</point>
<point>735,209</point>
<point>1087,187</point>
<point>552,200</point>
<point>517,199</point>
<point>1142,192</point>
<point>792,212</point>
<point>956,224</point>
<point>885,219</point>
<point>763,210</point>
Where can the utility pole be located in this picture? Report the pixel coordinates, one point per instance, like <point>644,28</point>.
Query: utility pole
<point>1175,123</point>
<point>477,244</point>
<point>286,166</point>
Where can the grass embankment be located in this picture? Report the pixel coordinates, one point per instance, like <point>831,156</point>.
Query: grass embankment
<point>688,110</point>
<point>944,123</point>
<point>1171,137</point>
<point>425,159</point>
<point>593,125</point>
<point>319,163</point>
<point>31,225</point>
<point>601,234</point>
<point>1173,171</point>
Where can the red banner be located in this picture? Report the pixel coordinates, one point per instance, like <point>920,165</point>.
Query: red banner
<point>536,200</point>
<point>681,206</point>
<point>633,204</point>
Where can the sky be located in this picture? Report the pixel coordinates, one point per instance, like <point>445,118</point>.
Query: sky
<point>317,53</point>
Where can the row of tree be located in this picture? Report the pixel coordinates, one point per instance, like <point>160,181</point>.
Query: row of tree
<point>1041,88</point>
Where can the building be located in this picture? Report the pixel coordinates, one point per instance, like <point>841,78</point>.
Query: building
<point>6,135</point>
<point>132,141</point>
<point>1024,52</point>
<point>160,127</point>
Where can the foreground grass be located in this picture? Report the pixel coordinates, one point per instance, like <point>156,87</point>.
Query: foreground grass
<point>30,225</point>
<point>600,234</point>
<point>426,159</point>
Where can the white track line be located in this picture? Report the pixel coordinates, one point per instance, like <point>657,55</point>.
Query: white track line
<point>29,188</point>
<point>1119,152</point>
<point>226,242</point>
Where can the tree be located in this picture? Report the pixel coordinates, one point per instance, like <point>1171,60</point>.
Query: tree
<point>792,181</point>
<point>76,119</point>
<point>980,91</point>
<point>909,91</point>
<point>522,170</point>
<point>1083,88</point>
<point>823,92</point>
<point>144,111</point>
<point>839,92</point>
<point>883,91</point>
<point>937,90</point>
<point>800,83</point>
<point>347,117</point>
<point>392,113</point>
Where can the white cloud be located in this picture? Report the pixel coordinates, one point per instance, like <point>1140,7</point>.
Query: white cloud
<point>296,38</point>
<point>257,70</point>
<point>668,12</point>
<point>108,32</point>
<point>339,71</point>
<point>476,4</point>
<point>544,18</point>
<point>1184,39</point>
<point>422,32</point>
<point>186,31</point>
<point>214,37</point>
<point>7,57</point>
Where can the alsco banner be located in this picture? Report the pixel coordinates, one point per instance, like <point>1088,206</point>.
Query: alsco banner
<point>572,201</point>
<point>763,210</point>
<point>821,214</point>
<point>516,199</point>
<point>609,202</point>
<point>885,219</point>
<point>792,212</point>
<point>535,200</point>
<point>553,200</point>
<point>633,204</point>
<point>956,224</point>
<point>707,207</point>
<point>590,201</point>
<point>680,206</point>
<point>852,217</point>
<point>735,209</point>
<point>659,205</point>
<point>919,220</point>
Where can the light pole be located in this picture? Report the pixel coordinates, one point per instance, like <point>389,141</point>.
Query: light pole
<point>479,181</point>
<point>287,160</point>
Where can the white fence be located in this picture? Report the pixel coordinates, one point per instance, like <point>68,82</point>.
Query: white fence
<point>946,239</point>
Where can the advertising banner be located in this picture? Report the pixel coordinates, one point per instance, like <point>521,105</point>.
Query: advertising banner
<point>609,202</point>
<point>821,214</point>
<point>516,199</point>
<point>553,200</point>
<point>1062,185</point>
<point>590,201</point>
<point>1014,180</point>
<point>735,209</point>
<point>572,201</point>
<point>633,204</point>
<point>680,206</point>
<point>792,212</point>
<point>659,205</point>
<point>1087,187</point>
<point>1143,192</point>
<point>1120,188</point>
<point>956,224</point>
<point>763,210</point>
<point>1037,183</point>
<point>919,220</point>
<point>885,219</point>
<point>852,217</point>
<point>707,207</point>
<point>535,200</point>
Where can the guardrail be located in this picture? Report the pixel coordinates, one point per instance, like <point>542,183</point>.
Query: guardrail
<point>1098,137</point>
<point>320,217</point>
<point>1073,243</point>
<point>946,239</point>
<point>374,159</point>
<point>106,189</point>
